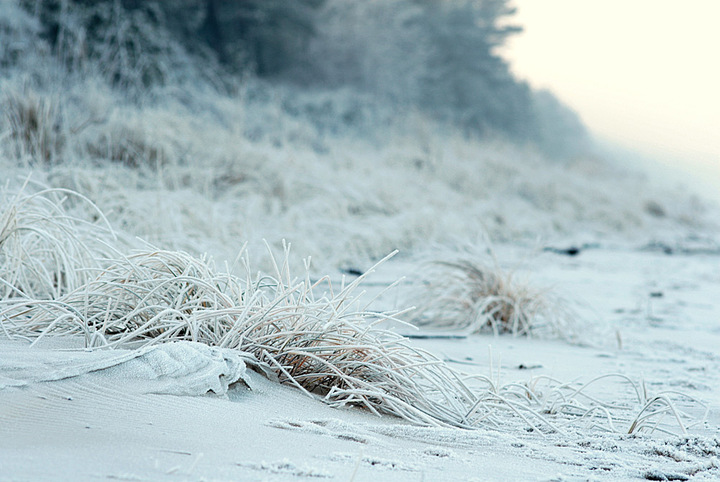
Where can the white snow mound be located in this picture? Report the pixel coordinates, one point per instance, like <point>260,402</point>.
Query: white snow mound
<point>179,368</point>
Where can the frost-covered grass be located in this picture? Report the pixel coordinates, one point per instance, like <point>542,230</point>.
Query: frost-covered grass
<point>195,170</point>
<point>467,290</point>
<point>311,335</point>
<point>213,173</point>
<point>46,252</point>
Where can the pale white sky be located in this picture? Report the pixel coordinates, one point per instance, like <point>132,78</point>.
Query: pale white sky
<point>642,73</point>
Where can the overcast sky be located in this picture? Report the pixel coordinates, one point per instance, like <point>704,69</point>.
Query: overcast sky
<point>642,73</point>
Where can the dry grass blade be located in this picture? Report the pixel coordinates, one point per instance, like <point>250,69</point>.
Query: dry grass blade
<point>638,410</point>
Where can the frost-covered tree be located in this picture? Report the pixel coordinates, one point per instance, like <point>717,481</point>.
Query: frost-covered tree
<point>466,79</point>
<point>377,47</point>
<point>558,129</point>
<point>266,35</point>
<point>441,56</point>
<point>435,54</point>
<point>146,41</point>
<point>130,42</point>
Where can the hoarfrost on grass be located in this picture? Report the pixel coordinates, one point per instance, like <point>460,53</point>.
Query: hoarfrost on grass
<point>326,345</point>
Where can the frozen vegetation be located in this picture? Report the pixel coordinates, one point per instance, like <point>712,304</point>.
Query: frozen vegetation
<point>205,160</point>
<point>157,158</point>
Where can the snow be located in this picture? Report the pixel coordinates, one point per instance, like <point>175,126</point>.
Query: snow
<point>145,415</point>
<point>177,368</point>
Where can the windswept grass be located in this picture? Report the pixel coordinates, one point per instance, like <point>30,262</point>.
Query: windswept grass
<point>324,345</point>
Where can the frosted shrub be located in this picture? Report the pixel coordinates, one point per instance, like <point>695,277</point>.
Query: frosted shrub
<point>128,145</point>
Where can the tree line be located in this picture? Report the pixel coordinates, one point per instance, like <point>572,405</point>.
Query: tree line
<point>440,56</point>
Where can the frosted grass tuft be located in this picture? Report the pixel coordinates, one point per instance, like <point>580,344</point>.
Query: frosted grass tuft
<point>467,290</point>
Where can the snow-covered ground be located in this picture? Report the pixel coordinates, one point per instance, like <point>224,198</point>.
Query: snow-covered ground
<point>68,413</point>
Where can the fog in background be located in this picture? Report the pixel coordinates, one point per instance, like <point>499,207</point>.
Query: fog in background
<point>349,128</point>
<point>642,74</point>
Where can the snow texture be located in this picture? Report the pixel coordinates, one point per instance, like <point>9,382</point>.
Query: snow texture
<point>179,368</point>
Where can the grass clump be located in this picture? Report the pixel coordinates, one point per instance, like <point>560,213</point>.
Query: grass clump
<point>327,345</point>
<point>146,298</point>
<point>35,127</point>
<point>472,293</point>
<point>135,142</point>
<point>319,344</point>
